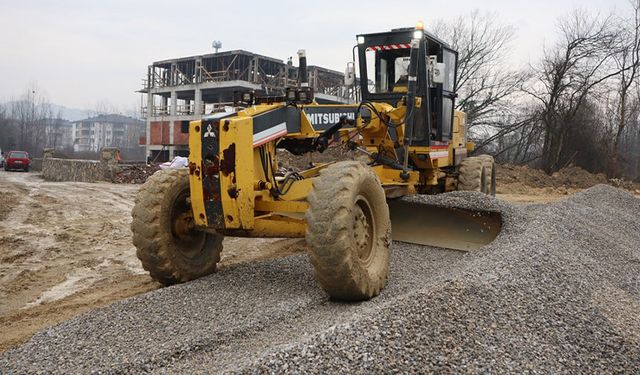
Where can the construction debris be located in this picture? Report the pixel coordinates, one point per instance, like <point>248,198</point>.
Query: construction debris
<point>135,174</point>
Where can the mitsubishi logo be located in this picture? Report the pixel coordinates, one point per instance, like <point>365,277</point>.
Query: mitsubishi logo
<point>209,132</point>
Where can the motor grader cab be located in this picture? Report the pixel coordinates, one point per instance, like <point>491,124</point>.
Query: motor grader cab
<point>384,62</point>
<point>405,126</point>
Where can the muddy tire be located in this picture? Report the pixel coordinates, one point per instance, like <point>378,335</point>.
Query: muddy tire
<point>168,245</point>
<point>490,174</point>
<point>472,175</point>
<point>349,231</point>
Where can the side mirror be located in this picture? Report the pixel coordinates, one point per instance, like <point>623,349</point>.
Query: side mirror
<point>350,74</point>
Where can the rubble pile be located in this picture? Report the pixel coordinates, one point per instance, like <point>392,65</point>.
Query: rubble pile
<point>135,173</point>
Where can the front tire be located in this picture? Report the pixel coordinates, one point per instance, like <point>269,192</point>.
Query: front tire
<point>349,231</point>
<point>168,245</point>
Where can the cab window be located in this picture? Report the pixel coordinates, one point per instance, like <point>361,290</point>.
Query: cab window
<point>387,71</point>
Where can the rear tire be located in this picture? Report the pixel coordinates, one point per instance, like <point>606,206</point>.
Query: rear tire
<point>490,174</point>
<point>349,231</point>
<point>168,245</point>
<point>472,175</point>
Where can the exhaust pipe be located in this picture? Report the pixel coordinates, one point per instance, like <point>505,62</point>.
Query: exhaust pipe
<point>303,75</point>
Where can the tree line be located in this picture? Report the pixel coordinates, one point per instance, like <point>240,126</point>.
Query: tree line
<point>578,105</point>
<point>29,123</point>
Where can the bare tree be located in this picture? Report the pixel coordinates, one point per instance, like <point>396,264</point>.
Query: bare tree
<point>627,62</point>
<point>29,115</point>
<point>485,80</point>
<point>55,130</point>
<point>568,74</point>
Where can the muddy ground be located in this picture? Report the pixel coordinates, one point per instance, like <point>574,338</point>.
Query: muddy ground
<point>65,248</point>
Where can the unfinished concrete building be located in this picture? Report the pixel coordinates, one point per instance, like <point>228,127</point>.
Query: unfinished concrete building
<point>184,89</point>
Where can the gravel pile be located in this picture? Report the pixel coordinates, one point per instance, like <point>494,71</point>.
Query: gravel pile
<point>559,295</point>
<point>558,291</point>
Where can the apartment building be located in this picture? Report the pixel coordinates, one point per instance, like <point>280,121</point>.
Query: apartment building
<point>94,133</point>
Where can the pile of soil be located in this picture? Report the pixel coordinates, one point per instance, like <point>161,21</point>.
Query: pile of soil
<point>571,177</point>
<point>135,174</point>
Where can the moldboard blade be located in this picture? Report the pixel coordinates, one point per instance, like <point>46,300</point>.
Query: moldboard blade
<point>451,228</point>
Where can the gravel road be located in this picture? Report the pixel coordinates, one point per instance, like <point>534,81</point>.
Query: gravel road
<point>558,291</point>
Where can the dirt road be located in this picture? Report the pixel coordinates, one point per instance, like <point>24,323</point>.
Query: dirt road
<point>65,248</point>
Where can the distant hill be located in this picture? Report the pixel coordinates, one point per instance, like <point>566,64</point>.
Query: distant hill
<point>74,114</point>
<point>71,114</point>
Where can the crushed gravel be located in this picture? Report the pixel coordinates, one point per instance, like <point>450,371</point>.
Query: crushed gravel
<point>558,291</point>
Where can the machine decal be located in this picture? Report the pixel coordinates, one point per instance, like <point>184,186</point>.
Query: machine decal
<point>209,132</point>
<point>324,117</point>
<point>439,152</point>
<point>269,134</point>
<point>389,47</point>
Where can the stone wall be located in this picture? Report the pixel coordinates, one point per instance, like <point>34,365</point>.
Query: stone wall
<point>105,169</point>
<point>36,164</point>
<point>54,169</point>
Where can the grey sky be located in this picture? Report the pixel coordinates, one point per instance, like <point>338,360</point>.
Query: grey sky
<point>82,52</point>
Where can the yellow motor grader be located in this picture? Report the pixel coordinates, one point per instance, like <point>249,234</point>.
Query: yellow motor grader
<point>405,127</point>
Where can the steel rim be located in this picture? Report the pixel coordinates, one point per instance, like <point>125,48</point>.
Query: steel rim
<point>363,230</point>
<point>187,239</point>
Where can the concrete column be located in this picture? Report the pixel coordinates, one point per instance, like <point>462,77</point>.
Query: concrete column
<point>174,79</point>
<point>150,77</point>
<point>148,118</point>
<point>198,70</point>
<point>174,103</point>
<point>255,63</point>
<point>164,103</point>
<point>198,111</point>
<point>173,114</point>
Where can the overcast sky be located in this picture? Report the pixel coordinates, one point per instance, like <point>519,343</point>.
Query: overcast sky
<point>80,52</point>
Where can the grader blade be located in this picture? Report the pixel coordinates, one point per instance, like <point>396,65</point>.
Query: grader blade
<point>451,228</point>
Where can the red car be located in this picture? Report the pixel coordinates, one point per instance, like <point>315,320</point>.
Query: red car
<point>17,160</point>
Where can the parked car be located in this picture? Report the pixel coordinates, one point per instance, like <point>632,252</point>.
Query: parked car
<point>17,160</point>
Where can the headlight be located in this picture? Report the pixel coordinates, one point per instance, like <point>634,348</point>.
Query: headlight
<point>291,95</point>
